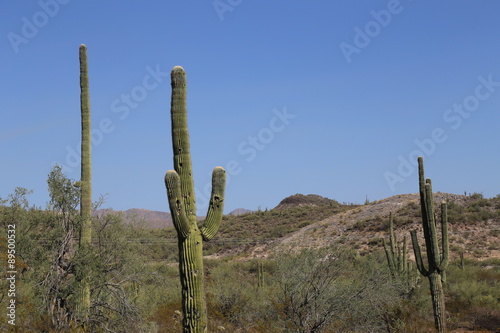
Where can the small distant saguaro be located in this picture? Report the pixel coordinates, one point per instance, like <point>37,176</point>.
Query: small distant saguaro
<point>396,257</point>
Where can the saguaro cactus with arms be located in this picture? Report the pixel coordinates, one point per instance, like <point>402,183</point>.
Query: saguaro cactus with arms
<point>437,262</point>
<point>182,203</point>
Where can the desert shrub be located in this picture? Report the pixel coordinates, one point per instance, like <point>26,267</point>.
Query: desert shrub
<point>475,285</point>
<point>455,212</point>
<point>332,290</point>
<point>234,299</point>
<point>476,288</point>
<point>303,224</point>
<point>279,231</point>
<point>251,217</point>
<point>359,225</point>
<point>476,195</point>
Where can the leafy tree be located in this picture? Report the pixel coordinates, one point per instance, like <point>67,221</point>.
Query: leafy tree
<point>56,288</point>
<point>116,270</point>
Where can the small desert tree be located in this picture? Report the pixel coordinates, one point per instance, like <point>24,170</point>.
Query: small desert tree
<point>334,290</point>
<point>57,285</point>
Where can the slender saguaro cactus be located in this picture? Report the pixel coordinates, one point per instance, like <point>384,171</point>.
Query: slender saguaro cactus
<point>260,274</point>
<point>181,199</point>
<point>396,257</point>
<point>437,262</point>
<point>86,189</point>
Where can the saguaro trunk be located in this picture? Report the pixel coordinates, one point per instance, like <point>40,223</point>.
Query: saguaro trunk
<point>86,192</point>
<point>437,294</point>
<point>182,203</point>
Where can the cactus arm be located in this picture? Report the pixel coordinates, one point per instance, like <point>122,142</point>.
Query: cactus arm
<point>418,255</point>
<point>429,202</point>
<point>392,237</point>
<point>216,206</point>
<point>404,260</point>
<point>425,208</point>
<point>390,258</point>
<point>428,214</point>
<point>390,251</point>
<point>421,186</point>
<point>175,202</point>
<point>433,255</point>
<point>180,139</point>
<point>444,233</point>
<point>399,260</point>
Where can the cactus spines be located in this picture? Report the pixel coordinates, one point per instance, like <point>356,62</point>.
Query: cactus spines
<point>85,184</point>
<point>182,203</point>
<point>437,262</point>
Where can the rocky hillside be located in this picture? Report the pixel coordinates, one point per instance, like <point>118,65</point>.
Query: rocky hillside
<point>313,221</point>
<point>299,200</point>
<point>474,226</point>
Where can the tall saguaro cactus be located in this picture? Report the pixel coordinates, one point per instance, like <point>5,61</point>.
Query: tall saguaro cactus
<point>85,239</point>
<point>437,262</point>
<point>182,203</point>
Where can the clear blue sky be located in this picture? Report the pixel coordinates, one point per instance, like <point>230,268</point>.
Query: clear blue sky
<point>335,98</point>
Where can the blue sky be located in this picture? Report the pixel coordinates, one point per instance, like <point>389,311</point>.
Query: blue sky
<point>335,98</point>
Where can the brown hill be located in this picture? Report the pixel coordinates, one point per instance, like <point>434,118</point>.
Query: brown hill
<point>298,200</point>
<point>313,221</point>
<point>474,226</point>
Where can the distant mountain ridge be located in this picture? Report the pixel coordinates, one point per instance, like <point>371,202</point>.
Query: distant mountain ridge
<point>315,221</point>
<point>157,220</point>
<point>240,211</point>
<point>152,219</point>
<point>149,218</point>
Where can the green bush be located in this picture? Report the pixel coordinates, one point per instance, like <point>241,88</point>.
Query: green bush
<point>476,288</point>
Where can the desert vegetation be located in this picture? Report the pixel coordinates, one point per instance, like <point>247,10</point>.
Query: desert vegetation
<point>308,265</point>
<point>135,284</point>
